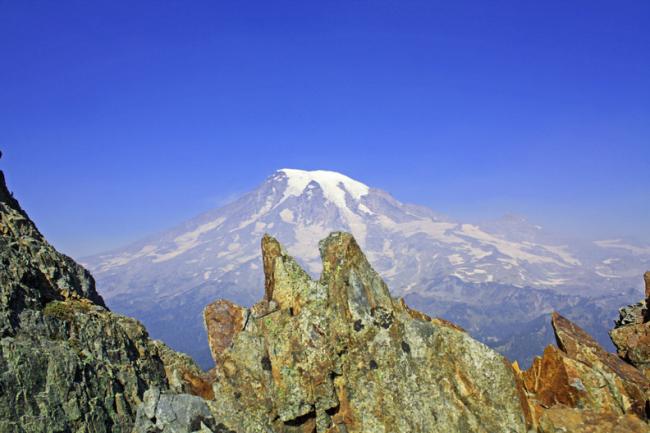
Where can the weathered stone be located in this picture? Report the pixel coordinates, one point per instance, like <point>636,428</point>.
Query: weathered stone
<point>184,376</point>
<point>633,345</point>
<point>631,336</point>
<point>572,420</point>
<point>632,314</point>
<point>67,364</point>
<point>582,347</point>
<point>223,320</point>
<point>582,375</point>
<point>174,413</point>
<point>340,355</point>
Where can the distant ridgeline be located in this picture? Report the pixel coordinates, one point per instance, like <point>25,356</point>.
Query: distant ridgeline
<point>336,354</point>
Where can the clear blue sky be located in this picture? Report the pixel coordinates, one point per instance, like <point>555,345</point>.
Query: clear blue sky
<point>118,119</point>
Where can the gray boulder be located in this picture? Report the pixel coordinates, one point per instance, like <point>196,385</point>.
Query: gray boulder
<point>175,413</point>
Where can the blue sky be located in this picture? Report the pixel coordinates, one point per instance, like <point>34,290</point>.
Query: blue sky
<point>118,119</point>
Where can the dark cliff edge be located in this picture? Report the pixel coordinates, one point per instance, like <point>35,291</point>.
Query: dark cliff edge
<point>333,355</point>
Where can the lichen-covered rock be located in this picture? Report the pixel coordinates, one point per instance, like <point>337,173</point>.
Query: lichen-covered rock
<point>571,420</point>
<point>631,336</point>
<point>184,376</point>
<point>67,364</point>
<point>579,345</point>
<point>633,345</point>
<point>175,413</point>
<point>340,355</point>
<point>224,319</point>
<point>585,383</point>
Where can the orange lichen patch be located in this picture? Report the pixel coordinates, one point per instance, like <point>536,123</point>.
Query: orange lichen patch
<point>447,324</point>
<point>223,320</point>
<point>562,419</point>
<point>579,345</point>
<point>526,409</point>
<point>415,314</point>
<point>200,385</point>
<point>271,250</point>
<point>344,415</point>
<point>418,315</point>
<point>549,380</point>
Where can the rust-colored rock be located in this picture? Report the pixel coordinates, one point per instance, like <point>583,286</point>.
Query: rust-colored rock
<point>579,345</point>
<point>223,319</point>
<point>646,278</point>
<point>580,383</point>
<point>418,315</point>
<point>553,379</point>
<point>571,420</point>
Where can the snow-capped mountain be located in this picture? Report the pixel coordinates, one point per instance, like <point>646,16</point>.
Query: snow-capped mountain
<point>217,254</point>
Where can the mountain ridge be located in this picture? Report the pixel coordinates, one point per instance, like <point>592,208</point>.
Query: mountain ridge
<point>216,255</point>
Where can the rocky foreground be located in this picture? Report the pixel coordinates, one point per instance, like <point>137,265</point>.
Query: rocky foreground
<point>336,355</point>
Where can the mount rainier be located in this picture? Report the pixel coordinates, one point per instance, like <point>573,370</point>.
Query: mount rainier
<point>485,276</point>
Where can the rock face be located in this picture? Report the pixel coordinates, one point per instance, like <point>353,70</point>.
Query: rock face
<point>67,364</point>
<point>579,383</point>
<point>631,336</point>
<point>340,355</point>
<point>175,413</point>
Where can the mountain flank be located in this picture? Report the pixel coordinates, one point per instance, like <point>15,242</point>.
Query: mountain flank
<point>336,354</point>
<point>499,279</point>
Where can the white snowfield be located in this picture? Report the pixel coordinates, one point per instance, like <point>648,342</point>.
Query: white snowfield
<point>407,244</point>
<point>335,185</point>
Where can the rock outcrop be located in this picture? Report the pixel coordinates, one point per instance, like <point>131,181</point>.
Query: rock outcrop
<point>631,336</point>
<point>175,413</point>
<point>581,378</point>
<point>340,355</point>
<point>67,364</point>
<point>334,355</point>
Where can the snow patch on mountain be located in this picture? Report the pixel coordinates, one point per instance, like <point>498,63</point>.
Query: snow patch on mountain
<point>618,243</point>
<point>407,244</point>
<point>334,185</point>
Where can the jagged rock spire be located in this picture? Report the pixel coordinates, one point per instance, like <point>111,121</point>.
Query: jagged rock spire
<point>339,355</point>
<point>353,285</point>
